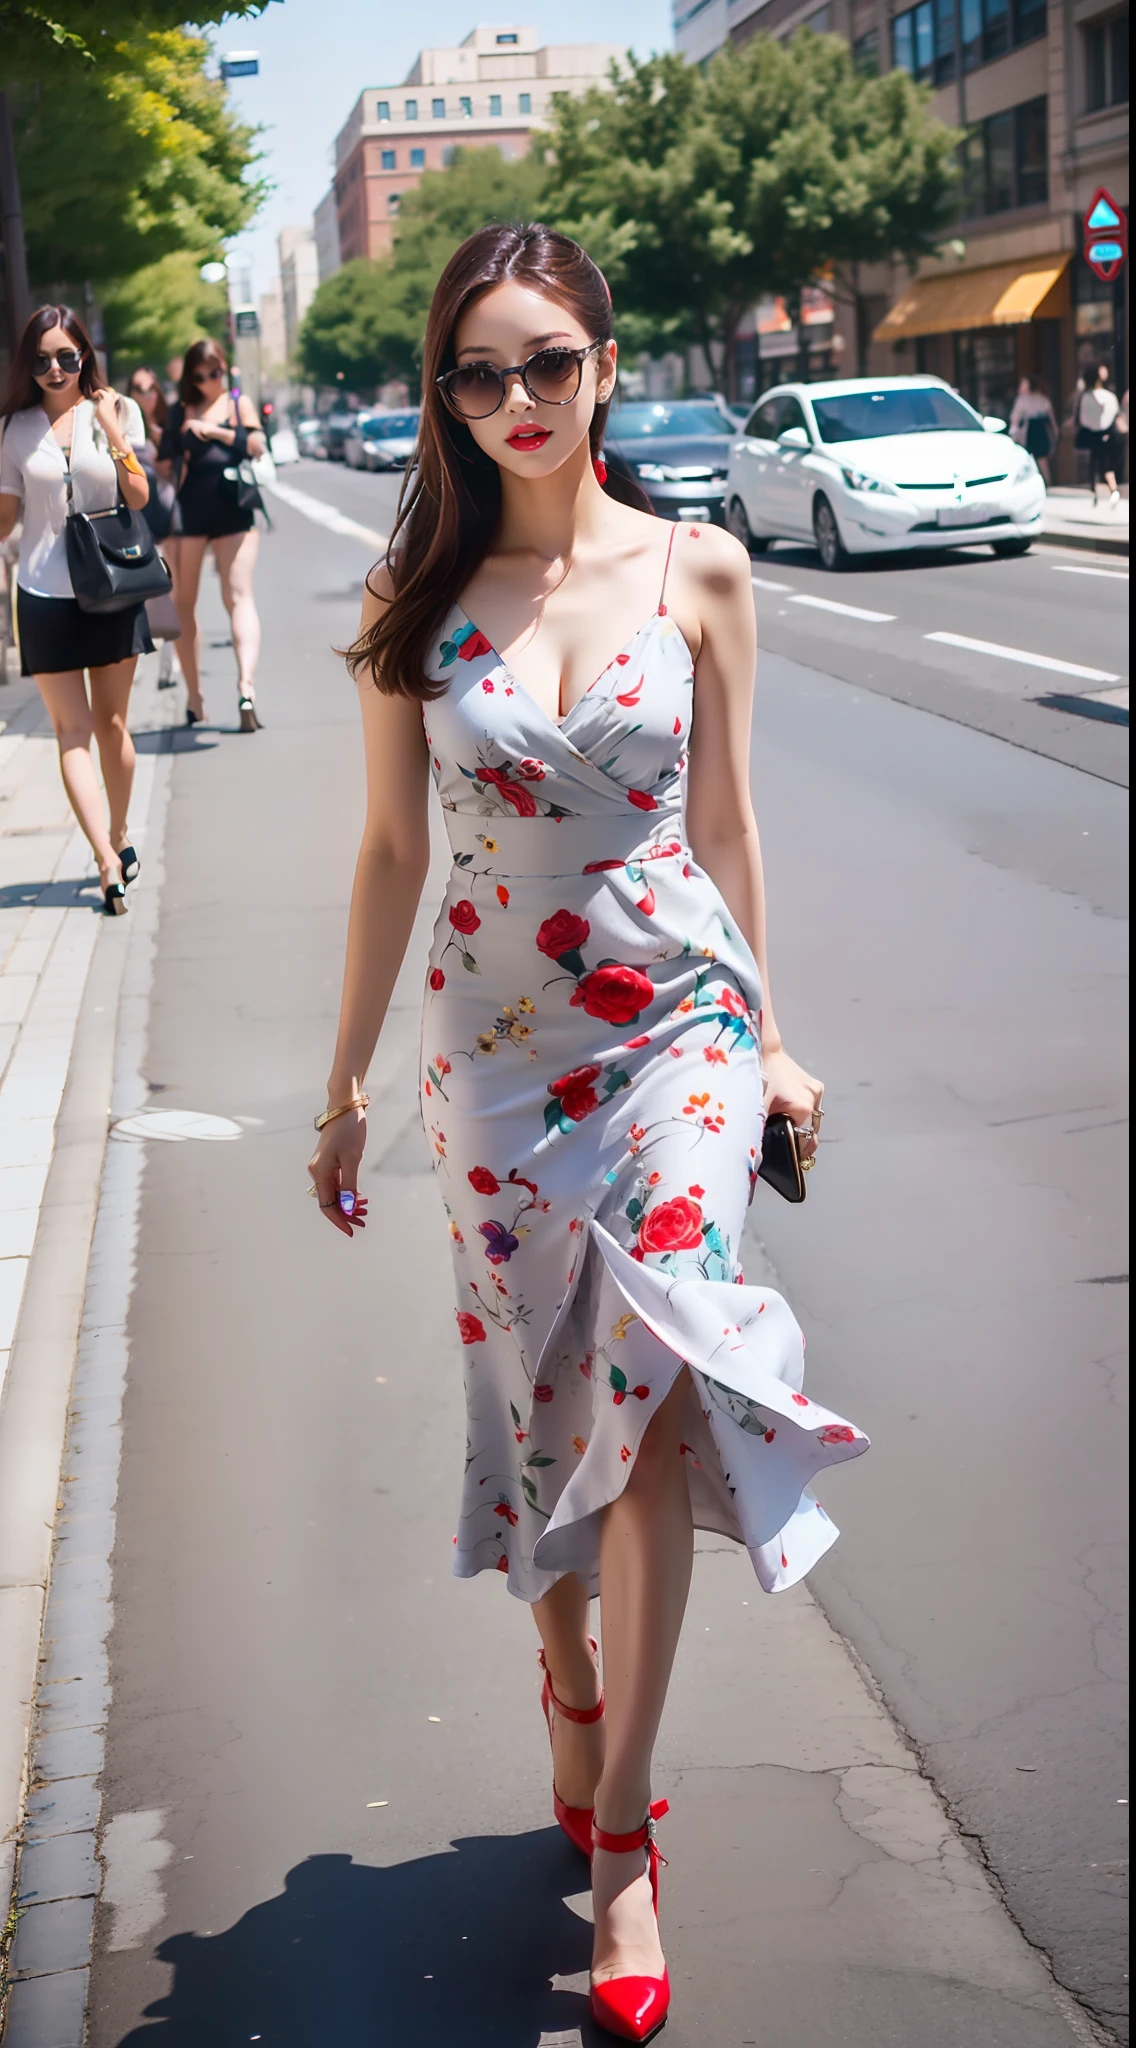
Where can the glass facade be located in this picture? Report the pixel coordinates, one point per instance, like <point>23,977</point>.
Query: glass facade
<point>923,37</point>
<point>1006,160</point>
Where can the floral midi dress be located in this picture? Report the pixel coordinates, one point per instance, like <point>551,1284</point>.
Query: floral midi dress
<point>592,1096</point>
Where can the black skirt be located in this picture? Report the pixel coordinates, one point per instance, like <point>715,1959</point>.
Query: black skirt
<point>56,636</point>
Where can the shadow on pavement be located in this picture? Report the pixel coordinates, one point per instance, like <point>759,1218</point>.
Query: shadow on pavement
<point>449,1951</point>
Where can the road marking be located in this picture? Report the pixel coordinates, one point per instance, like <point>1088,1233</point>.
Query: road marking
<point>1079,569</point>
<point>763,583</point>
<point>134,1851</point>
<point>1060,668</point>
<point>847,611</point>
<point>328,515</point>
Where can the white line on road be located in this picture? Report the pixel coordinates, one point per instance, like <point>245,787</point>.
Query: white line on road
<point>763,583</point>
<point>327,515</point>
<point>847,611</point>
<point>1082,569</point>
<point>1060,668</point>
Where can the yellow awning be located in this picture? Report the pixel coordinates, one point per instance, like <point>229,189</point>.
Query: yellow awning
<point>1003,295</point>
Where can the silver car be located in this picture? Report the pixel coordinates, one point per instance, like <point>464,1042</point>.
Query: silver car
<point>386,440</point>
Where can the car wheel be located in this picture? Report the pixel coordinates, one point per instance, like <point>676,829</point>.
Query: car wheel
<point>1011,547</point>
<point>830,547</point>
<point>738,524</point>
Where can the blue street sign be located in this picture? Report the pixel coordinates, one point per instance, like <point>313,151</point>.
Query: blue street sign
<point>1104,252</point>
<point>1103,215</point>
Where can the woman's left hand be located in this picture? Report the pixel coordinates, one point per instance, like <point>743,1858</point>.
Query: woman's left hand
<point>791,1092</point>
<point>106,413</point>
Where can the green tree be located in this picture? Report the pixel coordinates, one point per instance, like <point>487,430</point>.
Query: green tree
<point>367,323</point>
<point>700,190</point>
<point>130,159</point>
<point>157,312</point>
<point>41,38</point>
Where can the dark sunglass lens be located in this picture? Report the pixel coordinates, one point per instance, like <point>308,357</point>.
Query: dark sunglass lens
<point>69,360</point>
<point>554,375</point>
<point>40,365</point>
<point>475,390</point>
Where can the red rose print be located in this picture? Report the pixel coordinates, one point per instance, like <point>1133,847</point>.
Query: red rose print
<point>697,1192</point>
<point>802,1400</point>
<point>542,1391</point>
<point>475,645</point>
<point>616,994</point>
<point>674,1226</point>
<point>730,1000</point>
<point>576,1095</point>
<point>633,1044</point>
<point>470,1327</point>
<point>464,917</point>
<point>507,1513</point>
<point>642,800</point>
<point>533,771</point>
<point>641,1393</point>
<point>437,979</point>
<point>521,799</point>
<point>646,903</point>
<point>486,1183</point>
<point>838,1433</point>
<point>561,933</point>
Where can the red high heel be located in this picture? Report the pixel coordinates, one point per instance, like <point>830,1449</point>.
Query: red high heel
<point>576,1821</point>
<point>634,2008</point>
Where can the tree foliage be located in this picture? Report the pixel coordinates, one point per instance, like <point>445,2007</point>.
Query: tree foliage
<point>700,190</point>
<point>129,159</point>
<point>368,321</point>
<point>155,314</point>
<point>41,38</point>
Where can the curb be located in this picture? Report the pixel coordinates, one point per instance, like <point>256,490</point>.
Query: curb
<point>1092,543</point>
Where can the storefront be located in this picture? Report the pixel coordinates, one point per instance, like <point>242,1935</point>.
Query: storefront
<point>984,330</point>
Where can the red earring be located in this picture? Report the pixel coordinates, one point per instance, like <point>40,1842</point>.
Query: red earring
<point>600,467</point>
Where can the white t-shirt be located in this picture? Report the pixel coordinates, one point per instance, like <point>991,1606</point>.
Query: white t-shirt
<point>1098,409</point>
<point>33,468</point>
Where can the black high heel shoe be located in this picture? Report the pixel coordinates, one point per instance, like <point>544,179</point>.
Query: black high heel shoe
<point>130,863</point>
<point>114,899</point>
<point>194,717</point>
<point>246,712</point>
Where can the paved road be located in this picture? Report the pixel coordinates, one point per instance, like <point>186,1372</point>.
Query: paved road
<point>949,934</point>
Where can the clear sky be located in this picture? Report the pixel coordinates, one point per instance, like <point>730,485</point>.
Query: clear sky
<point>316,56</point>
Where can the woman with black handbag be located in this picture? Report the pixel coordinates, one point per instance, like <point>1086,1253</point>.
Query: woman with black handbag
<point>165,626</point>
<point>69,448</point>
<point>210,436</point>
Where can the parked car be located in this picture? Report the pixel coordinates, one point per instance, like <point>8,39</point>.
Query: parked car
<point>337,424</point>
<point>382,441</point>
<point>309,438</point>
<point>866,466</point>
<point>677,452</point>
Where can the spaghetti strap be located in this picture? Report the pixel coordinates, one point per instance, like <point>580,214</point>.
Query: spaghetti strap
<point>666,570</point>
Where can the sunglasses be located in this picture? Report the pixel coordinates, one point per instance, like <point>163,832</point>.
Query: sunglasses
<point>70,361</point>
<point>552,376</point>
<point>208,376</point>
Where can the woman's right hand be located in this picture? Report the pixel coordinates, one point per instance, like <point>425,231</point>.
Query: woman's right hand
<point>334,1168</point>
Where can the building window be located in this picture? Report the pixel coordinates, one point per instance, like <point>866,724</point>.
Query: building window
<point>410,110</point>
<point>448,154</point>
<point>465,108</point>
<point>866,54</point>
<point>383,110</point>
<point>818,22</point>
<point>438,109</point>
<point>1106,64</point>
<point>1006,160</point>
<point>507,36</point>
<point>418,159</point>
<point>388,159</point>
<point>923,40</point>
<point>524,103</point>
<point>393,201</point>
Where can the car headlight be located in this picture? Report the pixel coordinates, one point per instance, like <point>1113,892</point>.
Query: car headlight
<point>858,480</point>
<point>1026,467</point>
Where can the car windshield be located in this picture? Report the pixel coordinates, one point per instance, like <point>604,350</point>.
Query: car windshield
<point>392,426</point>
<point>638,422</point>
<point>866,415</point>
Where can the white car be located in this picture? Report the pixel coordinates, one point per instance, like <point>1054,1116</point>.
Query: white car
<point>870,465</point>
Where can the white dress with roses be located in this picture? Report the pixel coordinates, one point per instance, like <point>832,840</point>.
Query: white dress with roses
<point>591,1092</point>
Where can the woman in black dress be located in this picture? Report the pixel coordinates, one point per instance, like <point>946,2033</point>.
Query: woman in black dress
<point>211,429</point>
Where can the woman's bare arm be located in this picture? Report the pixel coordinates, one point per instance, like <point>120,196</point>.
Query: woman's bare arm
<point>389,874</point>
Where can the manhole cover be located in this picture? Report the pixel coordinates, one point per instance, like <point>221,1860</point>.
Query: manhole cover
<point>173,1125</point>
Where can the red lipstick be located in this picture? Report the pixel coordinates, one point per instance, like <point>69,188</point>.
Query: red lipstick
<point>527,439</point>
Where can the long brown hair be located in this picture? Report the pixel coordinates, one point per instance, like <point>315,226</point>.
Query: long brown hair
<point>451,501</point>
<point>161,409</point>
<point>200,355</point>
<point>23,391</point>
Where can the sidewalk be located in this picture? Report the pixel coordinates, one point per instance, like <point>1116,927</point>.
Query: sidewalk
<point>1077,520</point>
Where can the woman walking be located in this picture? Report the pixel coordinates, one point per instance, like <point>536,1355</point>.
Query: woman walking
<point>1096,419</point>
<point>1033,423</point>
<point>597,1038</point>
<point>149,397</point>
<point>209,432</point>
<point>60,422</point>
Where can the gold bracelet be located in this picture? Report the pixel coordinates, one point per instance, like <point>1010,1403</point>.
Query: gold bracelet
<point>328,1116</point>
<point>129,461</point>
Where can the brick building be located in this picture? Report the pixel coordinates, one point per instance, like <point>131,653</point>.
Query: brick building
<point>496,87</point>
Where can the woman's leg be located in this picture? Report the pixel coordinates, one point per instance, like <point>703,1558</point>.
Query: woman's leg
<point>65,695</point>
<point>577,1747</point>
<point>236,555</point>
<point>646,1555</point>
<point>110,707</point>
<point>186,568</point>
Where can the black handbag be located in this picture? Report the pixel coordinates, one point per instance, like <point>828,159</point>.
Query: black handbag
<point>781,1163</point>
<point>111,558</point>
<point>238,480</point>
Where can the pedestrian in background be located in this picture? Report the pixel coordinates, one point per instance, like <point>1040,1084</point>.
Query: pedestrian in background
<point>60,423</point>
<point>1033,422</point>
<point>598,1035</point>
<point>1096,420</point>
<point>211,430</point>
<point>161,612</point>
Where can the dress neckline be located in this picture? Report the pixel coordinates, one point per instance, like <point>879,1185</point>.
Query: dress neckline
<point>559,723</point>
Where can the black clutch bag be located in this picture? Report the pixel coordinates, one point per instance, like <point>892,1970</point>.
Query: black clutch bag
<point>781,1159</point>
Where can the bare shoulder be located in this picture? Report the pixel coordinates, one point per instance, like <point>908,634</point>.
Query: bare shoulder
<point>716,564</point>
<point>248,412</point>
<point>378,593</point>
